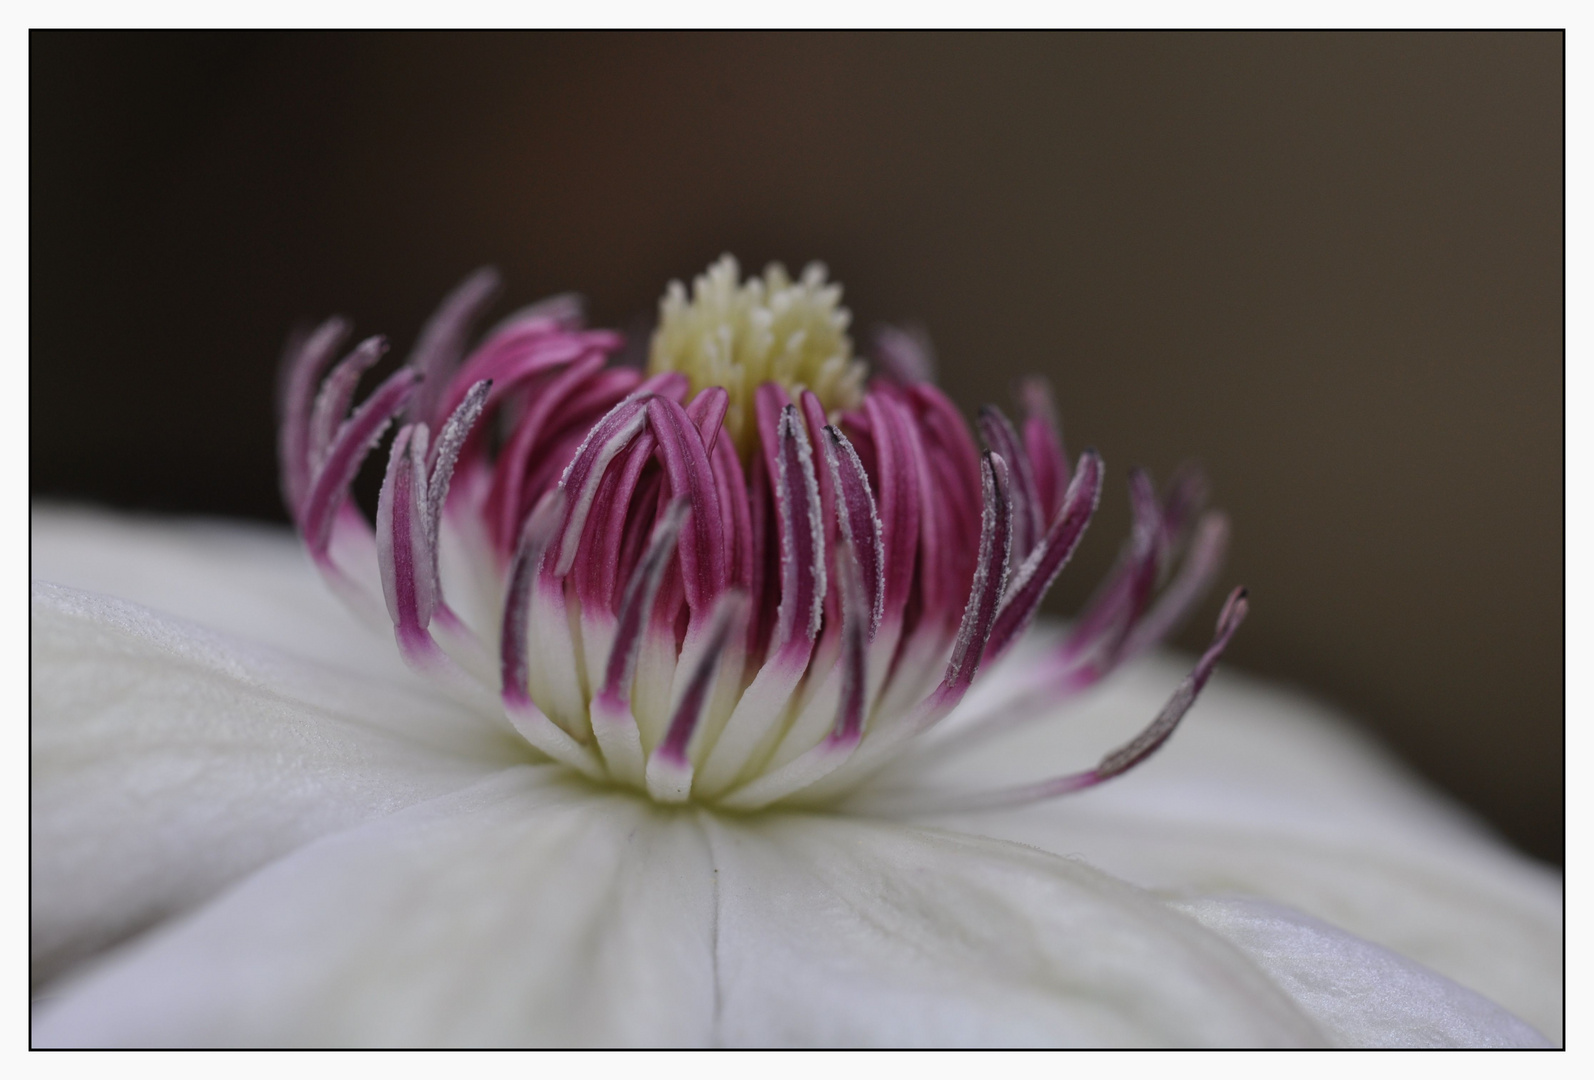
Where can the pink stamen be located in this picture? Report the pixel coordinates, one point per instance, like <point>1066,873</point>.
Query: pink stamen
<point>857,624</point>
<point>1043,439</point>
<point>445,451</point>
<point>753,726</point>
<point>509,491</point>
<point>980,613</point>
<point>407,528</point>
<point>813,414</point>
<point>1123,597</point>
<point>687,470</point>
<point>1036,574</point>
<point>614,722</point>
<point>598,566</point>
<point>1187,494</point>
<point>637,606</point>
<point>527,718</point>
<point>707,412</point>
<point>728,614</point>
<point>1038,695</point>
<point>859,522</point>
<point>899,503</point>
<point>941,587</point>
<point>1029,515</point>
<point>400,540</point>
<point>561,449</point>
<point>336,393</point>
<point>1131,753</point>
<point>438,350</point>
<point>846,732</point>
<point>302,365</point>
<point>1184,592</point>
<point>904,355</point>
<point>535,537</point>
<point>737,510</point>
<point>586,469</point>
<point>954,456</point>
<point>797,514</point>
<point>516,355</point>
<point>356,438</point>
<point>562,311</point>
<point>990,577</point>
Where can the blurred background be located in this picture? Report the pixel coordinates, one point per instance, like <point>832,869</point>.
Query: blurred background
<point>1328,267</point>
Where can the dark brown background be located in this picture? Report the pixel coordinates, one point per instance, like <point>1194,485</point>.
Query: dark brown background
<point>1329,267</point>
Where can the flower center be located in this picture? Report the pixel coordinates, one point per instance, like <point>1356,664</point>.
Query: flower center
<point>738,334</point>
<point>732,630</point>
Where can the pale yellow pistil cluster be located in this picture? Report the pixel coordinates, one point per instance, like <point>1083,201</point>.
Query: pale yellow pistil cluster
<point>739,334</point>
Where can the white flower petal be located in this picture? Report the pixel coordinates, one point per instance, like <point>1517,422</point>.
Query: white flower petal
<point>168,761</point>
<point>530,909</point>
<point>252,581</point>
<point>1265,793</point>
<point>845,932</point>
<point>534,909</point>
<point>1448,912</point>
<point>1360,994</point>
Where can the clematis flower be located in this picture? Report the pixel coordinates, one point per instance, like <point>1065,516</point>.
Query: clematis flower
<point>703,704</point>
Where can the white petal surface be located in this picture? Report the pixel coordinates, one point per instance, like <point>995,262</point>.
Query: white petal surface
<point>530,909</point>
<point>167,761</point>
<point>534,910</point>
<point>250,580</point>
<point>1360,994</point>
<point>840,932</point>
<point>1264,793</point>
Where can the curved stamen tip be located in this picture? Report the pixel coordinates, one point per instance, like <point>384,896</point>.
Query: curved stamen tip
<point>905,354</point>
<point>303,359</point>
<point>799,515</point>
<point>607,438</point>
<point>441,345</point>
<point>990,575</point>
<point>337,392</point>
<point>1052,552</point>
<point>341,459</point>
<point>859,520</point>
<point>1234,611</point>
<point>1143,745</point>
<point>1125,757</point>
<point>404,558</point>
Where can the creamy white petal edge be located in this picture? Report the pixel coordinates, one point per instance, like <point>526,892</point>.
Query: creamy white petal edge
<point>1360,994</point>
<point>764,852</point>
<point>1265,793</point>
<point>167,761</point>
